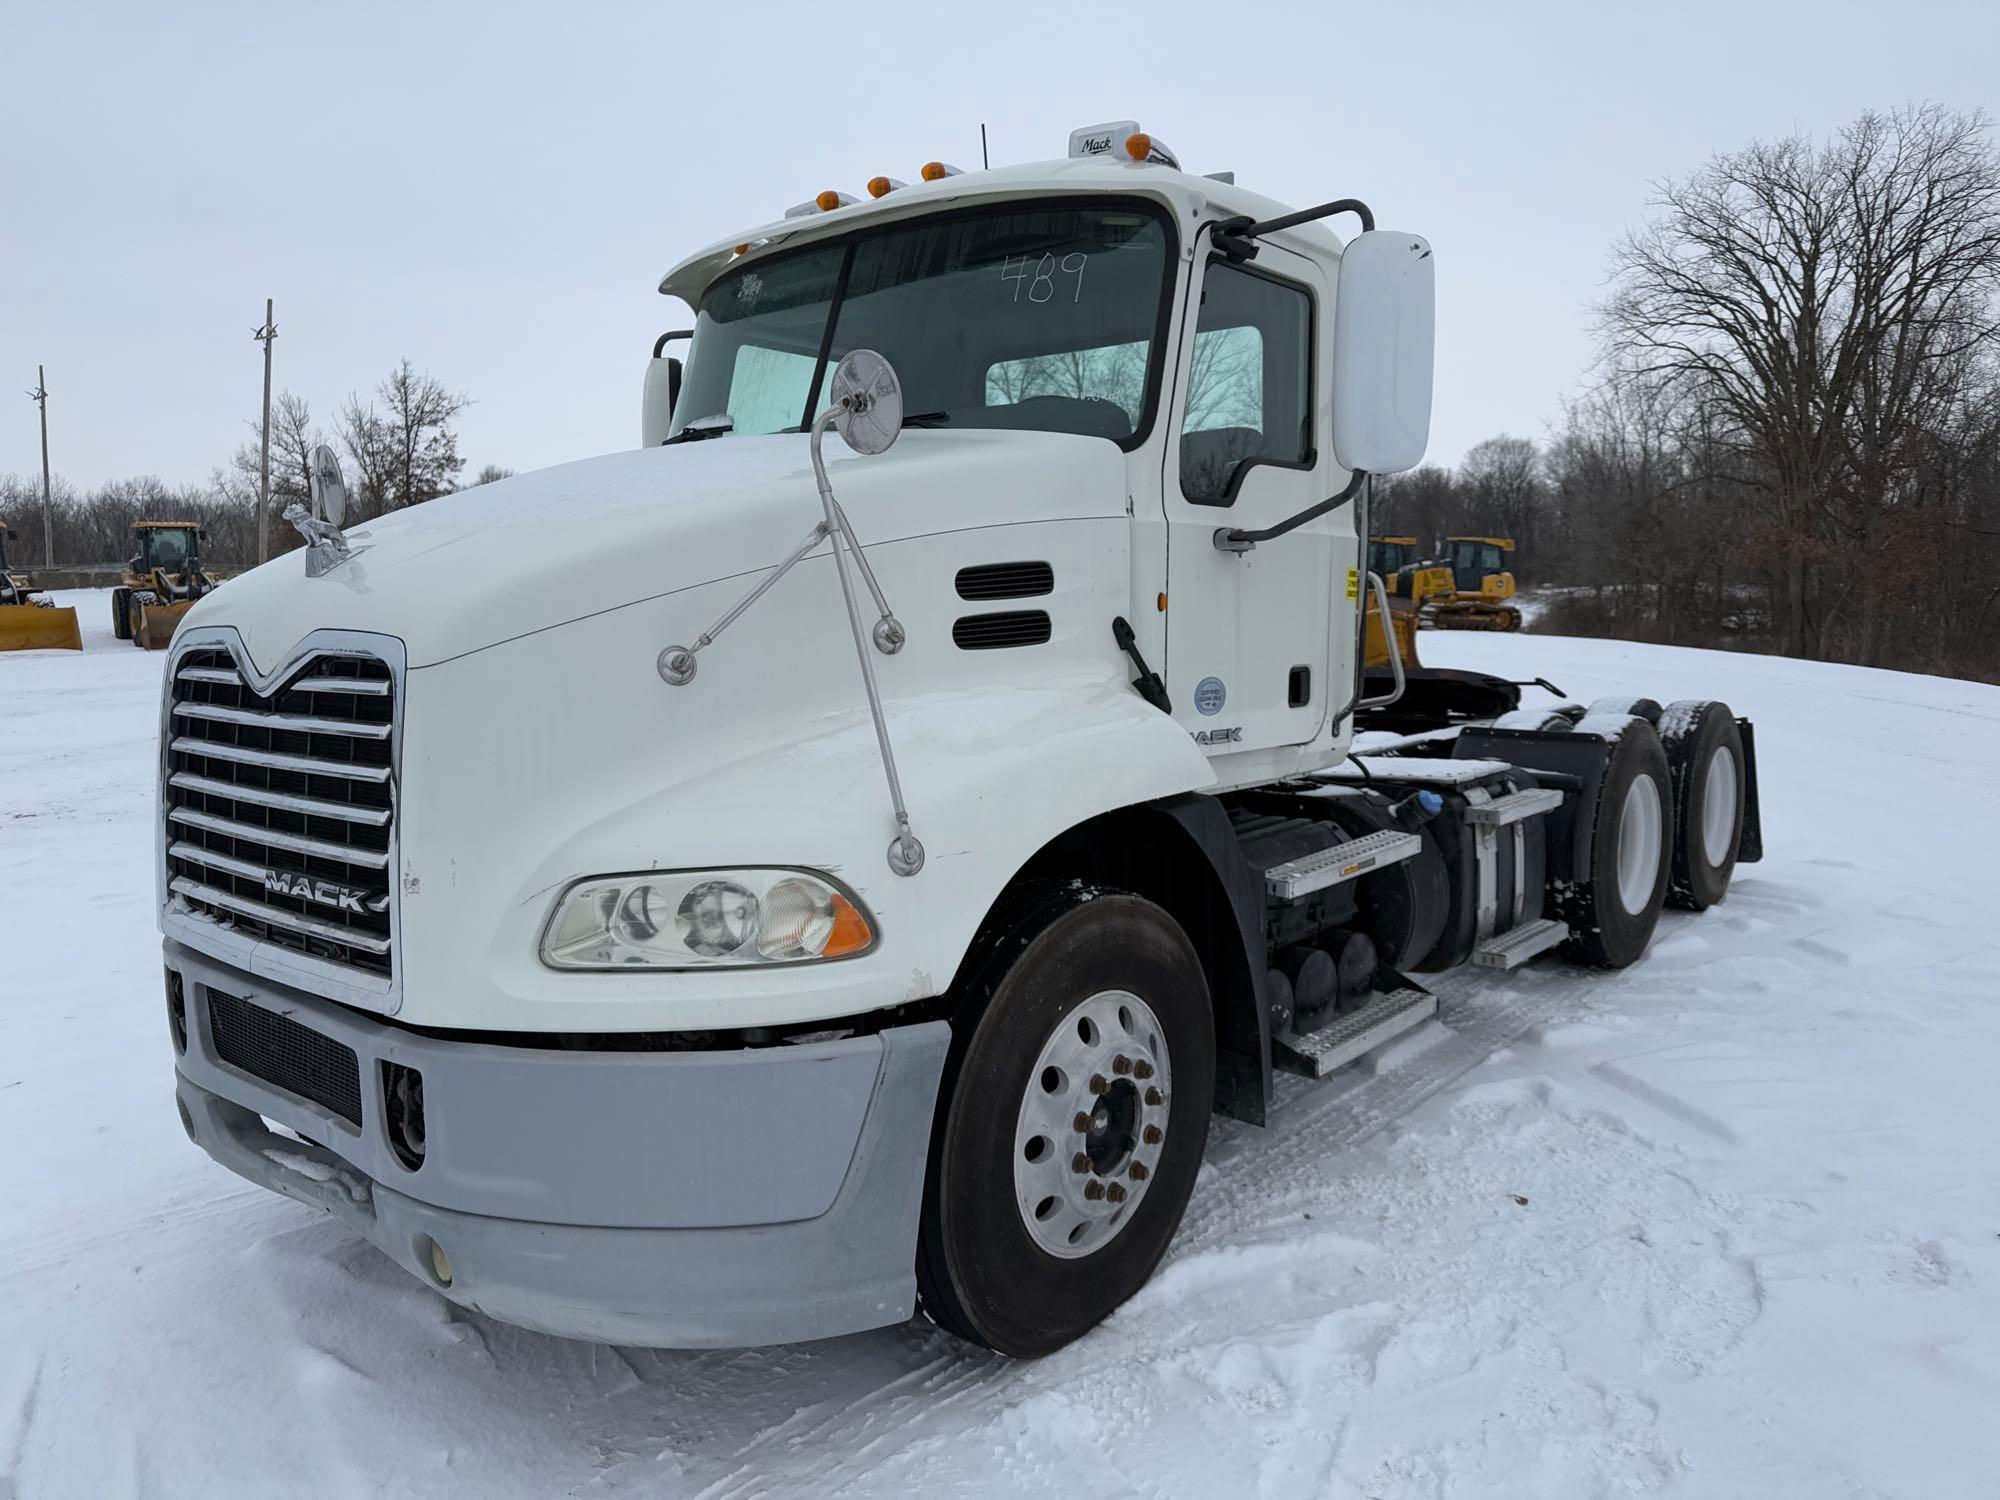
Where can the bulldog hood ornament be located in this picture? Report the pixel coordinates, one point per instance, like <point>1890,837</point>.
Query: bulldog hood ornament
<point>326,547</point>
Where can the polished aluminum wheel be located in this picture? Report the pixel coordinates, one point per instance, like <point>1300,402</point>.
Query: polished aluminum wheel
<point>1092,1124</point>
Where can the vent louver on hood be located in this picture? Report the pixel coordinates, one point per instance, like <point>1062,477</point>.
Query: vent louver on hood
<point>1014,627</point>
<point>1009,580</point>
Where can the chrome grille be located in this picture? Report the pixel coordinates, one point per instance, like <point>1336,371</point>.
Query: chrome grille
<point>280,807</point>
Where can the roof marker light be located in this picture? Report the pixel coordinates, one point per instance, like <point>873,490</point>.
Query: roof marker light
<point>823,203</point>
<point>881,187</point>
<point>1142,147</point>
<point>935,171</point>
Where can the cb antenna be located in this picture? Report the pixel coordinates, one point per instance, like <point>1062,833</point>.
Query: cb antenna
<point>984,164</point>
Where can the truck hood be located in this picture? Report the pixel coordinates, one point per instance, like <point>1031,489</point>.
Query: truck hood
<point>527,554</point>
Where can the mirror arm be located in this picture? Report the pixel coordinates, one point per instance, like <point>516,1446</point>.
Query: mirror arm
<point>1237,237</point>
<point>1228,540</point>
<point>660,343</point>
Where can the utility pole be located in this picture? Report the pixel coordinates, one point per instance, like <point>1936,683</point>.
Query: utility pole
<point>40,396</point>
<point>264,336</point>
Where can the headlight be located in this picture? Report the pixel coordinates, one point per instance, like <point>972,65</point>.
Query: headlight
<point>704,919</point>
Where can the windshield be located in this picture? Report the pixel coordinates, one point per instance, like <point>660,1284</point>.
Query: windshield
<point>1474,560</point>
<point>1387,558</point>
<point>1044,316</point>
<point>166,549</point>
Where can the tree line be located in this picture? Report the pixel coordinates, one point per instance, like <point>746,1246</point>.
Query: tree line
<point>399,447</point>
<point>1791,441</point>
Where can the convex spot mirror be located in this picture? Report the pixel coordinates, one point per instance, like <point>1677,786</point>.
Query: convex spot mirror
<point>329,489</point>
<point>867,402</point>
<point>1384,327</point>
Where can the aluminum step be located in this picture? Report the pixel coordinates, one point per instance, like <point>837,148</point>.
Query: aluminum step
<point>1515,807</point>
<point>1509,950</point>
<point>1315,872</point>
<point>1318,1053</point>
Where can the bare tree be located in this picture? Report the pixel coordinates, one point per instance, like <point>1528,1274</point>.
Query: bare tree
<point>1817,297</point>
<point>424,449</point>
<point>365,436</point>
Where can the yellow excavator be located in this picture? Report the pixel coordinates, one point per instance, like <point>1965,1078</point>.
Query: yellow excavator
<point>1482,591</point>
<point>161,583</point>
<point>29,619</point>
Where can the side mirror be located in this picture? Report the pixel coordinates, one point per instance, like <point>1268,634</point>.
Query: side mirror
<point>201,534</point>
<point>1384,328</point>
<point>662,392</point>
<point>329,488</point>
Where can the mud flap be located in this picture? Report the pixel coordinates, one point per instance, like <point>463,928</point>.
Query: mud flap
<point>29,627</point>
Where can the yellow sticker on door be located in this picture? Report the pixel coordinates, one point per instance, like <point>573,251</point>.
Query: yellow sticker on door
<point>1353,583</point>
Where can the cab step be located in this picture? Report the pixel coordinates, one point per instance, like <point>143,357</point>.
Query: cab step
<point>1329,867</point>
<point>1318,1053</point>
<point>1509,950</point>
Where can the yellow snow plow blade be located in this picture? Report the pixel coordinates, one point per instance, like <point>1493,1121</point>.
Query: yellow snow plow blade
<point>157,623</point>
<point>29,627</point>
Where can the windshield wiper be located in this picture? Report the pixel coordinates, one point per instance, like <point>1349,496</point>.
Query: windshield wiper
<point>703,427</point>
<point>927,419</point>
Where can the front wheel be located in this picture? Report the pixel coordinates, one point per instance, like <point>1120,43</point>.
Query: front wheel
<point>135,615</point>
<point>1075,1109</point>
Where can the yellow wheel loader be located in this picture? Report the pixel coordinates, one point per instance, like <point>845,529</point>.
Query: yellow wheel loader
<point>161,583</point>
<point>29,619</point>
<point>1482,589</point>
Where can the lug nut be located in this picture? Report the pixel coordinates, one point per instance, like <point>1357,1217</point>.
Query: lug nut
<point>1079,1163</point>
<point>1099,1084</point>
<point>1121,1064</point>
<point>1142,1069</point>
<point>1155,1097</point>
<point>1115,1193</point>
<point>1094,1190</point>
<point>1138,1172</point>
<point>1152,1135</point>
<point>1082,1123</point>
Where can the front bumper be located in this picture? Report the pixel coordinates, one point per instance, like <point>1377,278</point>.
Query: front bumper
<point>668,1199</point>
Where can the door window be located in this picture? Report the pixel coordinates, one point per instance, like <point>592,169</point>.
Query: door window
<point>1249,395</point>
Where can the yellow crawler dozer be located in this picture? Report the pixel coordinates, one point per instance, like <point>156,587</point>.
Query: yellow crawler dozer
<point>1483,586</point>
<point>29,619</point>
<point>161,583</point>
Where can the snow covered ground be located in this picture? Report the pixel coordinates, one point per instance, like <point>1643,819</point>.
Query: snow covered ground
<point>1727,1224</point>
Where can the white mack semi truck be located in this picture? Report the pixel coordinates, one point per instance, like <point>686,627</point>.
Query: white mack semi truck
<point>832,860</point>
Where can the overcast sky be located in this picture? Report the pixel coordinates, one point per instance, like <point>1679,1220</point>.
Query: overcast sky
<point>494,191</point>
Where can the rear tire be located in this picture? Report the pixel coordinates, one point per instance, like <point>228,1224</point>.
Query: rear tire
<point>1612,914</point>
<point>1014,1252</point>
<point>121,622</point>
<point>1705,753</point>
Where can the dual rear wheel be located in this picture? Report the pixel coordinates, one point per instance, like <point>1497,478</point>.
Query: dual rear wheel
<point>1665,827</point>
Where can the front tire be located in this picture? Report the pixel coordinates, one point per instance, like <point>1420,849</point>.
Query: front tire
<point>1071,1121</point>
<point>135,616</point>
<point>121,619</point>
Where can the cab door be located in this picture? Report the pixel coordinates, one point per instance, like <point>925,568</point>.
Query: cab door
<point>1250,445</point>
